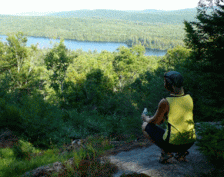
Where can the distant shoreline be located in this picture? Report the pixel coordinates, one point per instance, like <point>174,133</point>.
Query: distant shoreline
<point>89,41</point>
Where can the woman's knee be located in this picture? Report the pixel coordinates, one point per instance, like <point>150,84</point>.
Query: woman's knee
<point>150,126</point>
<point>144,125</point>
<point>148,137</point>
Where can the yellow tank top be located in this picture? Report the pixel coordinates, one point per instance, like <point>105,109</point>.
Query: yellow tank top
<point>180,124</point>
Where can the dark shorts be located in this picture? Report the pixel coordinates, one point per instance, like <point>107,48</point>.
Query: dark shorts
<point>156,134</point>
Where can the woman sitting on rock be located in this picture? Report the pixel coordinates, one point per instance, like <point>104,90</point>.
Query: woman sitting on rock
<point>177,110</point>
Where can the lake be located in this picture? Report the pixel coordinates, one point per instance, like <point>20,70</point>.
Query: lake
<point>85,46</point>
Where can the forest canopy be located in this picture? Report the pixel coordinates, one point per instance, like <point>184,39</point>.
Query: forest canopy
<point>154,30</point>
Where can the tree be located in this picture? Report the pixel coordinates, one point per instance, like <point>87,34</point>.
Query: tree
<point>16,69</point>
<point>175,56</point>
<point>123,63</point>
<point>96,86</point>
<point>57,61</point>
<point>206,40</point>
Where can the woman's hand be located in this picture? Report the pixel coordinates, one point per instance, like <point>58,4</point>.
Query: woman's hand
<point>147,118</point>
<point>143,116</point>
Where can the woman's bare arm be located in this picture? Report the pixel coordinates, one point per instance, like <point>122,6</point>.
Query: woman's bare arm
<point>158,118</point>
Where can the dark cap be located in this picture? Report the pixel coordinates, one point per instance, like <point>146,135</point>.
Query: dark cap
<point>174,78</point>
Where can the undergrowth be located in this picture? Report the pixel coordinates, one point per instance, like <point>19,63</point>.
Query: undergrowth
<point>86,161</point>
<point>24,157</point>
<point>211,145</point>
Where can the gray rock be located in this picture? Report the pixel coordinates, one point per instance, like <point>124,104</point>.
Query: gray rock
<point>7,139</point>
<point>146,161</point>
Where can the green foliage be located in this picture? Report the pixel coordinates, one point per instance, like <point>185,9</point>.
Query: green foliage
<point>23,150</point>
<point>90,91</point>
<point>175,57</point>
<point>97,86</point>
<point>83,124</point>
<point>26,161</point>
<point>151,16</point>
<point>10,116</point>
<point>128,64</point>
<point>205,63</point>
<point>57,60</point>
<point>141,88</point>
<point>100,143</point>
<point>212,143</point>
<point>6,153</point>
<point>42,122</point>
<point>102,82</point>
<point>17,69</point>
<point>86,160</point>
<point>17,51</point>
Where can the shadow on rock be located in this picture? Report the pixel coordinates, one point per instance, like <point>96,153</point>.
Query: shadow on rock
<point>134,175</point>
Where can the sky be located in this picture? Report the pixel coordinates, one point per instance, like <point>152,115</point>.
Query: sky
<point>14,7</point>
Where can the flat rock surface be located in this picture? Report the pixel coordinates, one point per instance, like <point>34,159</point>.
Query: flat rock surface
<point>145,160</point>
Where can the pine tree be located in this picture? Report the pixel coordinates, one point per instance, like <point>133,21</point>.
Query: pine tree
<point>206,39</point>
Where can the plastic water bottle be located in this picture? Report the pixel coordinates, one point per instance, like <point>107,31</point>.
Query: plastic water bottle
<point>145,111</point>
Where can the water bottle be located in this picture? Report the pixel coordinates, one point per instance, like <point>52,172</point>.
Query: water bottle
<point>145,111</point>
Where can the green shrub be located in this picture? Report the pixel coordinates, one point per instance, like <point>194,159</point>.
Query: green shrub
<point>6,153</point>
<point>43,124</point>
<point>86,123</point>
<point>23,150</point>
<point>10,116</point>
<point>212,144</point>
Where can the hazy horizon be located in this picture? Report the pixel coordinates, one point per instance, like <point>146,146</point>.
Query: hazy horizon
<point>46,13</point>
<point>43,7</point>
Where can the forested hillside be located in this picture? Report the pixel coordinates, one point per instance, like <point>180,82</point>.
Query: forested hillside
<point>154,16</point>
<point>155,30</point>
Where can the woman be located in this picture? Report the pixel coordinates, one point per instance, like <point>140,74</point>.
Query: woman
<point>177,110</point>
